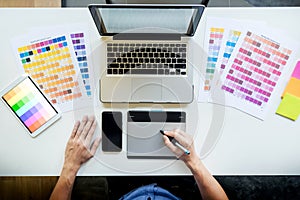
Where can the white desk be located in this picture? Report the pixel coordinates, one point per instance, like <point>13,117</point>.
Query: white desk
<point>264,147</point>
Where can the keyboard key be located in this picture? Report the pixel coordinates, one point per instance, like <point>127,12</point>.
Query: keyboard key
<point>115,71</point>
<point>181,61</point>
<point>110,60</point>
<point>180,66</point>
<point>161,71</point>
<point>110,54</point>
<point>126,71</point>
<point>113,65</point>
<point>143,71</point>
<point>182,49</point>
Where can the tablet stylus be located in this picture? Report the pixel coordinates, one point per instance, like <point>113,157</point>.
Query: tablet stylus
<point>187,152</point>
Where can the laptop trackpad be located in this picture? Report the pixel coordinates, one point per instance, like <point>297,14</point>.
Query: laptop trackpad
<point>146,89</point>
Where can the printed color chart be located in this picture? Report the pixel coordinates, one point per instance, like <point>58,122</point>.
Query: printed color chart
<point>29,105</point>
<point>50,64</point>
<point>215,41</point>
<point>256,69</point>
<point>230,44</point>
<point>79,45</point>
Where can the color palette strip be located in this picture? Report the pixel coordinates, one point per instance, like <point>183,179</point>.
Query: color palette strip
<point>256,69</point>
<point>80,49</point>
<point>215,41</point>
<point>229,47</point>
<point>29,105</point>
<point>50,64</point>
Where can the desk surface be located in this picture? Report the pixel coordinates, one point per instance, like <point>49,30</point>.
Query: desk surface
<point>264,147</point>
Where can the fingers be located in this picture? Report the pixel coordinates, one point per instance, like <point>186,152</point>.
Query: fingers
<point>87,127</point>
<point>81,126</point>
<point>90,132</point>
<point>95,146</point>
<point>183,144</point>
<point>84,131</point>
<point>179,135</point>
<point>169,144</point>
<point>75,128</point>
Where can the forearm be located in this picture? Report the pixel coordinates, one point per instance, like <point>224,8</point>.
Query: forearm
<point>207,184</point>
<point>64,185</point>
<point>77,152</point>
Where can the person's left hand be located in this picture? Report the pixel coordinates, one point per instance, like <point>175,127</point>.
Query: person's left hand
<point>80,147</point>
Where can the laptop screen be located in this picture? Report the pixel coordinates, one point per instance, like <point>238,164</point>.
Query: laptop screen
<point>170,19</point>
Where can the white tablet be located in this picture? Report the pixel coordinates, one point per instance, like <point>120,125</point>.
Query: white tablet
<point>31,107</point>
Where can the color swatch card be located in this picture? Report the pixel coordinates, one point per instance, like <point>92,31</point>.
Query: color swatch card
<point>77,33</point>
<point>213,40</point>
<point>220,39</point>
<point>52,63</point>
<point>29,105</point>
<point>255,70</point>
<point>229,46</point>
<point>81,50</point>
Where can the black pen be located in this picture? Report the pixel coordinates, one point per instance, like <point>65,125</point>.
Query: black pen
<point>187,152</point>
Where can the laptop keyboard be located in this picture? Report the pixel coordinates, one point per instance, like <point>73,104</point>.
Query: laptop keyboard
<point>148,58</point>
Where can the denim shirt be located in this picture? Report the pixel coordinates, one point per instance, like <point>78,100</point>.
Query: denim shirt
<point>149,192</point>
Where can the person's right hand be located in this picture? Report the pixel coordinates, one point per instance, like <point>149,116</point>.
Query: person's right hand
<point>186,141</point>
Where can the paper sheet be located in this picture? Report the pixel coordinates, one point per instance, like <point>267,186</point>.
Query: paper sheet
<point>49,57</point>
<point>221,37</point>
<point>213,39</point>
<point>255,70</point>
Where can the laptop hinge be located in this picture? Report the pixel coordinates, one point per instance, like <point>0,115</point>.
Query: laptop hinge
<point>147,36</point>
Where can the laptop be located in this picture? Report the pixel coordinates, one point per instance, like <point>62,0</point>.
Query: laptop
<point>144,139</point>
<point>147,51</point>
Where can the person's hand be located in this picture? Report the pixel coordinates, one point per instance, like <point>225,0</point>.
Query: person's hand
<point>80,147</point>
<point>186,141</point>
<point>79,150</point>
<point>207,184</point>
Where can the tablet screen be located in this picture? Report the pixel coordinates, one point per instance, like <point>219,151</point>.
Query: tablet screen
<point>29,104</point>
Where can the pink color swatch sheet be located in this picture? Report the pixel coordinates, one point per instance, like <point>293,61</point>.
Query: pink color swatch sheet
<point>254,72</point>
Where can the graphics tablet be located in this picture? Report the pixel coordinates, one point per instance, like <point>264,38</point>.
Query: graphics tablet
<point>144,139</point>
<point>28,103</point>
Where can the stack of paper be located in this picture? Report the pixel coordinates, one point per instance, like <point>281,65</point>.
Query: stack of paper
<point>57,59</point>
<point>246,62</point>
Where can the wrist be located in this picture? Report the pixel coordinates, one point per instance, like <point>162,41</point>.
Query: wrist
<point>194,164</point>
<point>69,171</point>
